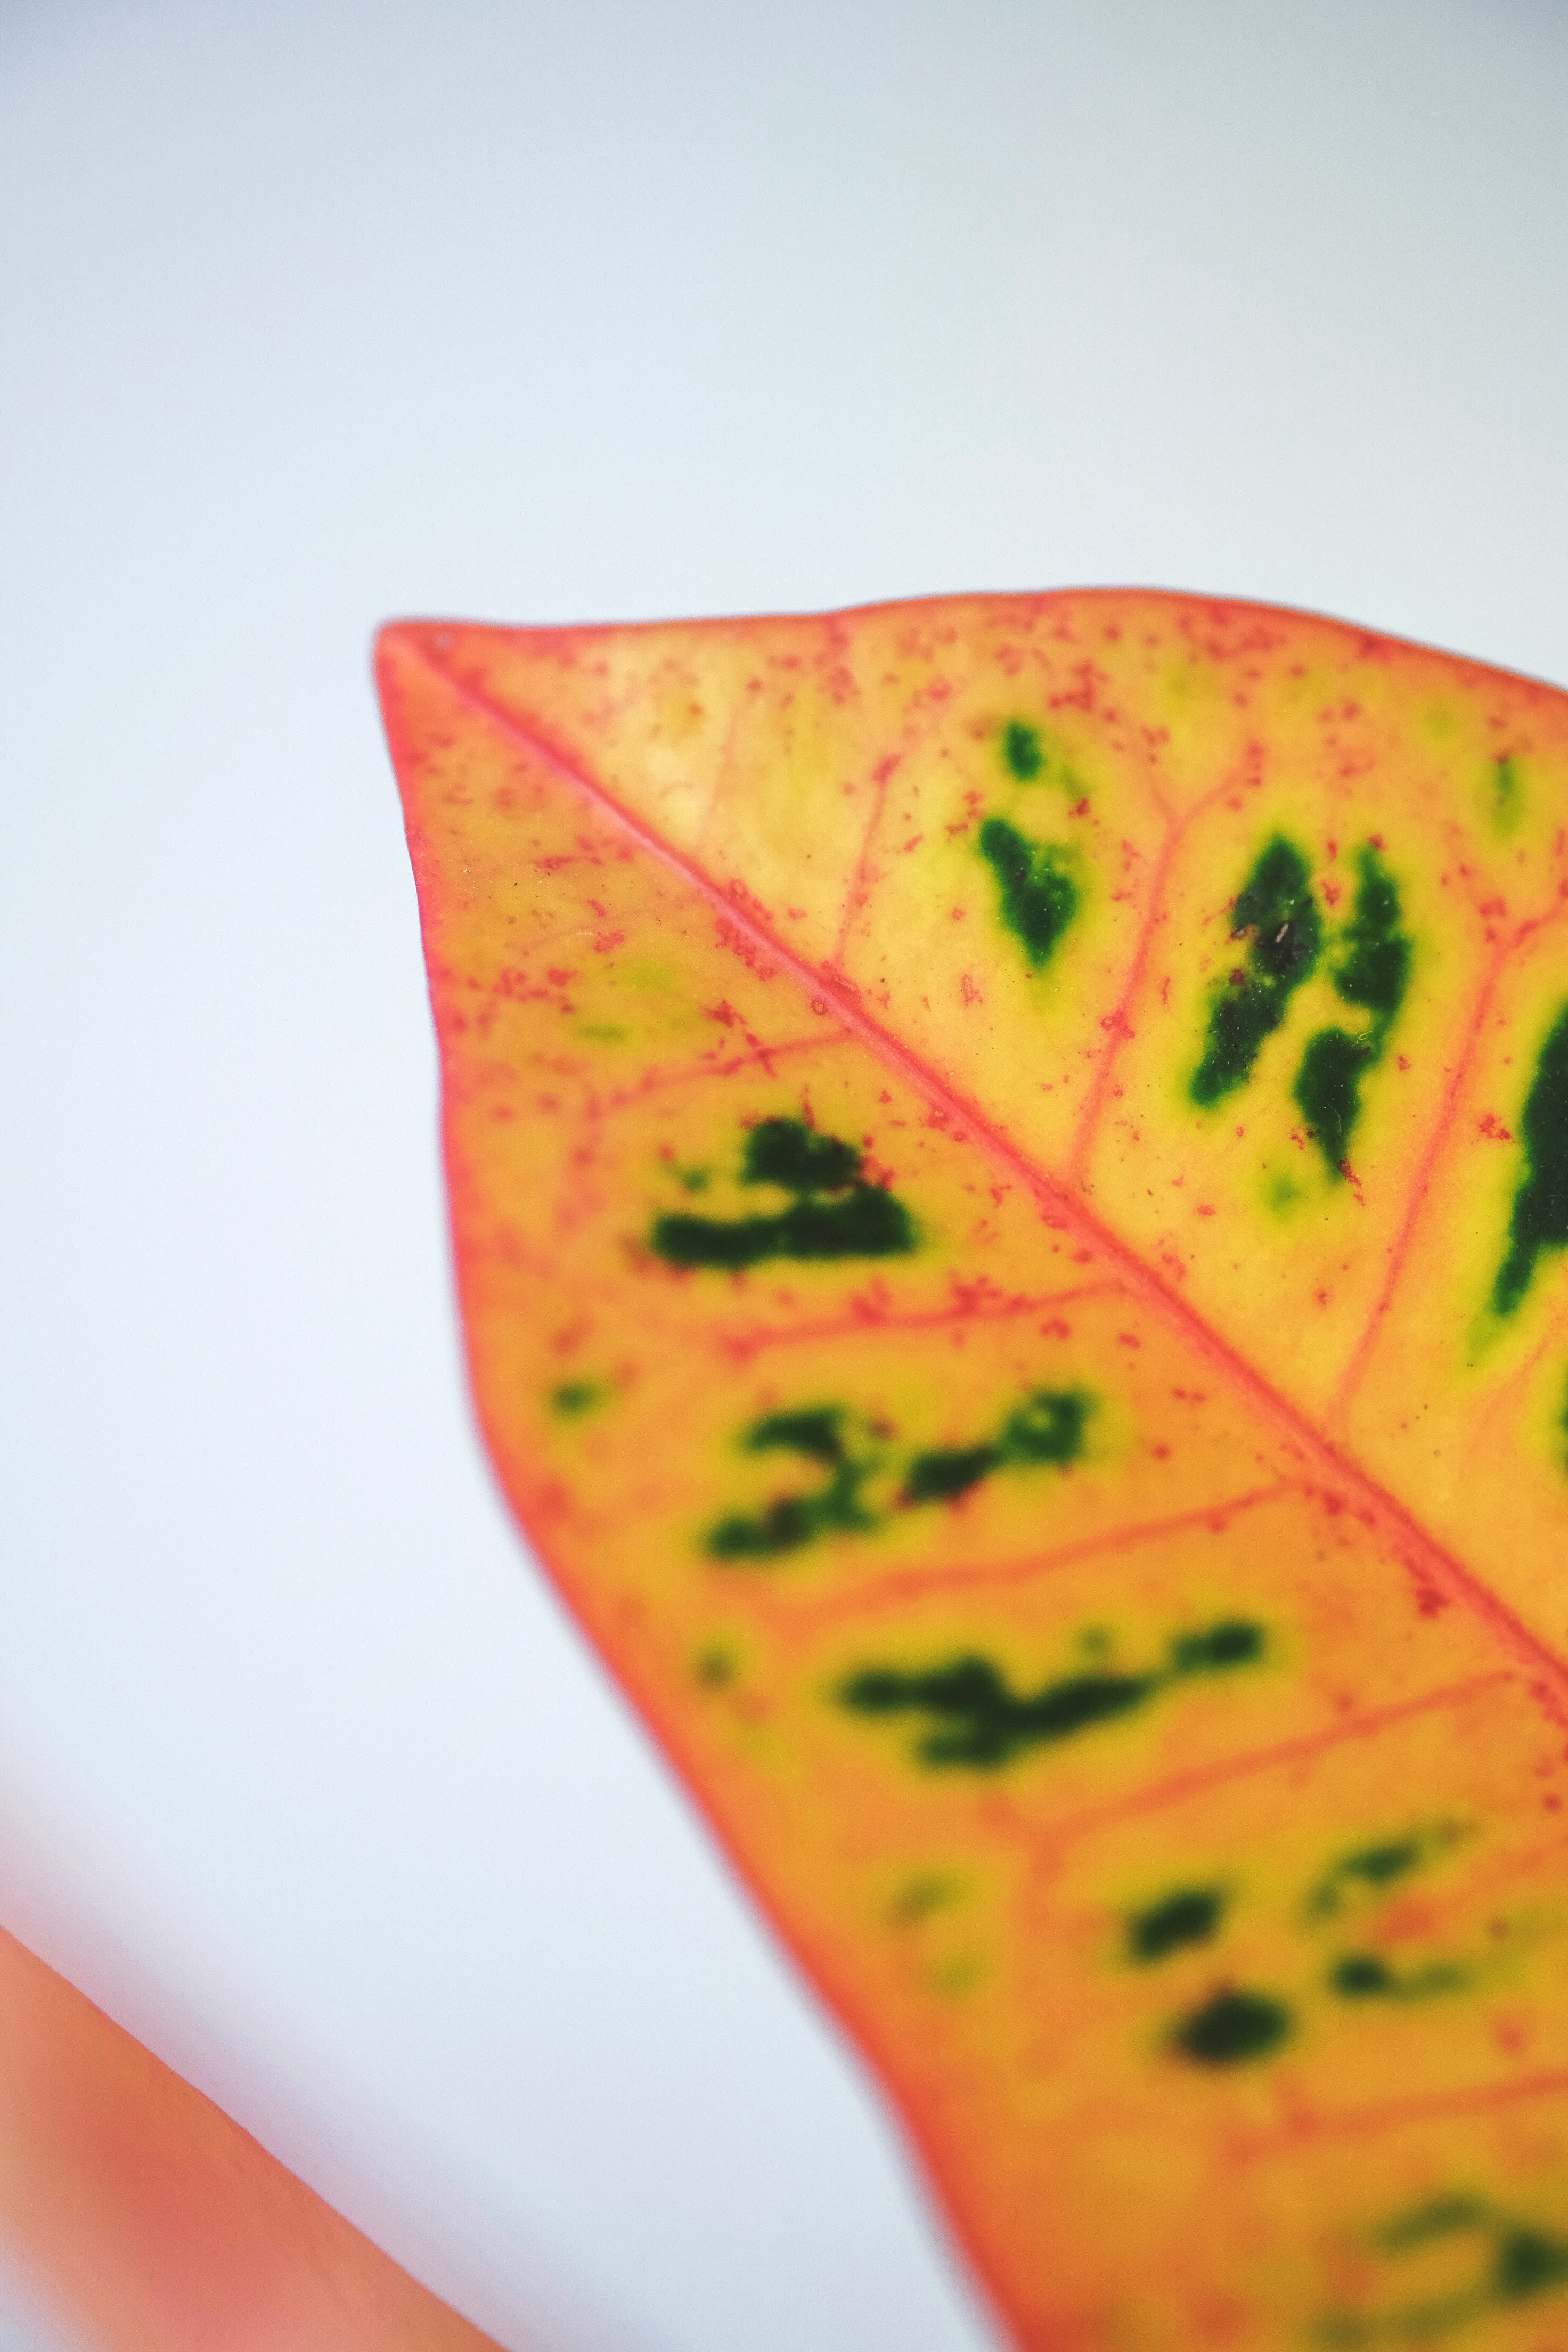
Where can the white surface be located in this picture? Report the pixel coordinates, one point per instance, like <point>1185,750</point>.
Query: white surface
<point>315,314</point>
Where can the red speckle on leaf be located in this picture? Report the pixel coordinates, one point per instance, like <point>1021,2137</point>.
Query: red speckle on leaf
<point>1359,1564</point>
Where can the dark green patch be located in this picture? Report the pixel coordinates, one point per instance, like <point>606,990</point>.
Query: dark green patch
<point>978,1723</point>
<point>1366,1976</point>
<point>1048,1427</point>
<point>1039,895</point>
<point>1234,1642</point>
<point>787,1152</point>
<point>1373,1866</point>
<point>1540,1217</point>
<point>1372,971</point>
<point>1233,2029</point>
<point>1021,750</point>
<point>1328,1091</point>
<point>1528,2263</point>
<point>573,1398</point>
<point>715,1666</point>
<point>856,1219</point>
<point>1372,954</point>
<point>789,1521</point>
<point>816,1431</point>
<point>1440,2217</point>
<point>1507,793</point>
<point>942,1476</point>
<point>1191,1916</point>
<point>1519,2262</point>
<point>1275,907</point>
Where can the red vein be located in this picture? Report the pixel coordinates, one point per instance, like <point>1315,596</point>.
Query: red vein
<point>855,897</point>
<point>755,1054</point>
<point>1506,1395</point>
<point>1364,2122</point>
<point>1116,1021</point>
<point>1400,1247</point>
<point>913,1583</point>
<point>948,1104</point>
<point>741,1345</point>
<point>1179,1786</point>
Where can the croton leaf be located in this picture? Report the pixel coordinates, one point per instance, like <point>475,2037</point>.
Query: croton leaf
<point>1009,1161</point>
<point>141,2219</point>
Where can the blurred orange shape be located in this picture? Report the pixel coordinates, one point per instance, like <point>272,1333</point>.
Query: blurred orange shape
<point>1009,1169</point>
<point>146,2221</point>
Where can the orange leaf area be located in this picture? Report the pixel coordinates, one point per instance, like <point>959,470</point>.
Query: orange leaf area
<point>152,2223</point>
<point>1009,1161</point>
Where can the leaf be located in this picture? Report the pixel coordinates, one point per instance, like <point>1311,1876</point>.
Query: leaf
<point>1009,1162</point>
<point>145,2221</point>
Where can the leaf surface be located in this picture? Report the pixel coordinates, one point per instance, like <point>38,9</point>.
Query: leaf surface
<point>144,2220</point>
<point>1009,1167</point>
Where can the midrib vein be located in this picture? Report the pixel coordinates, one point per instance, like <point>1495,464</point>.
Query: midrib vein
<point>1336,1467</point>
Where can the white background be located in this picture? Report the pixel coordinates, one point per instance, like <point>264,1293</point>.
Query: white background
<point>312,314</point>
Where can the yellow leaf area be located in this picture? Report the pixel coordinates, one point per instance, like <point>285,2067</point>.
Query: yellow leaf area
<point>1009,1161</point>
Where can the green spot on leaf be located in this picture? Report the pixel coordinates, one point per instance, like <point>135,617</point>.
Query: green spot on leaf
<point>785,1152</point>
<point>571,1399</point>
<point>1528,2263</point>
<point>1540,1217</point>
<point>1233,2029</point>
<point>920,1896</point>
<point>1518,2263</point>
<point>1372,971</point>
<point>1367,1976</point>
<point>977,1722</point>
<point>1507,795</point>
<point>1048,1427</point>
<point>790,1521</point>
<point>942,1476</point>
<point>1371,1868</point>
<point>854,1220</point>
<point>1191,1916</point>
<point>1277,908</point>
<point>1039,895</point>
<point>1021,750</point>
<point>1232,1642</point>
<point>1440,2217</point>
